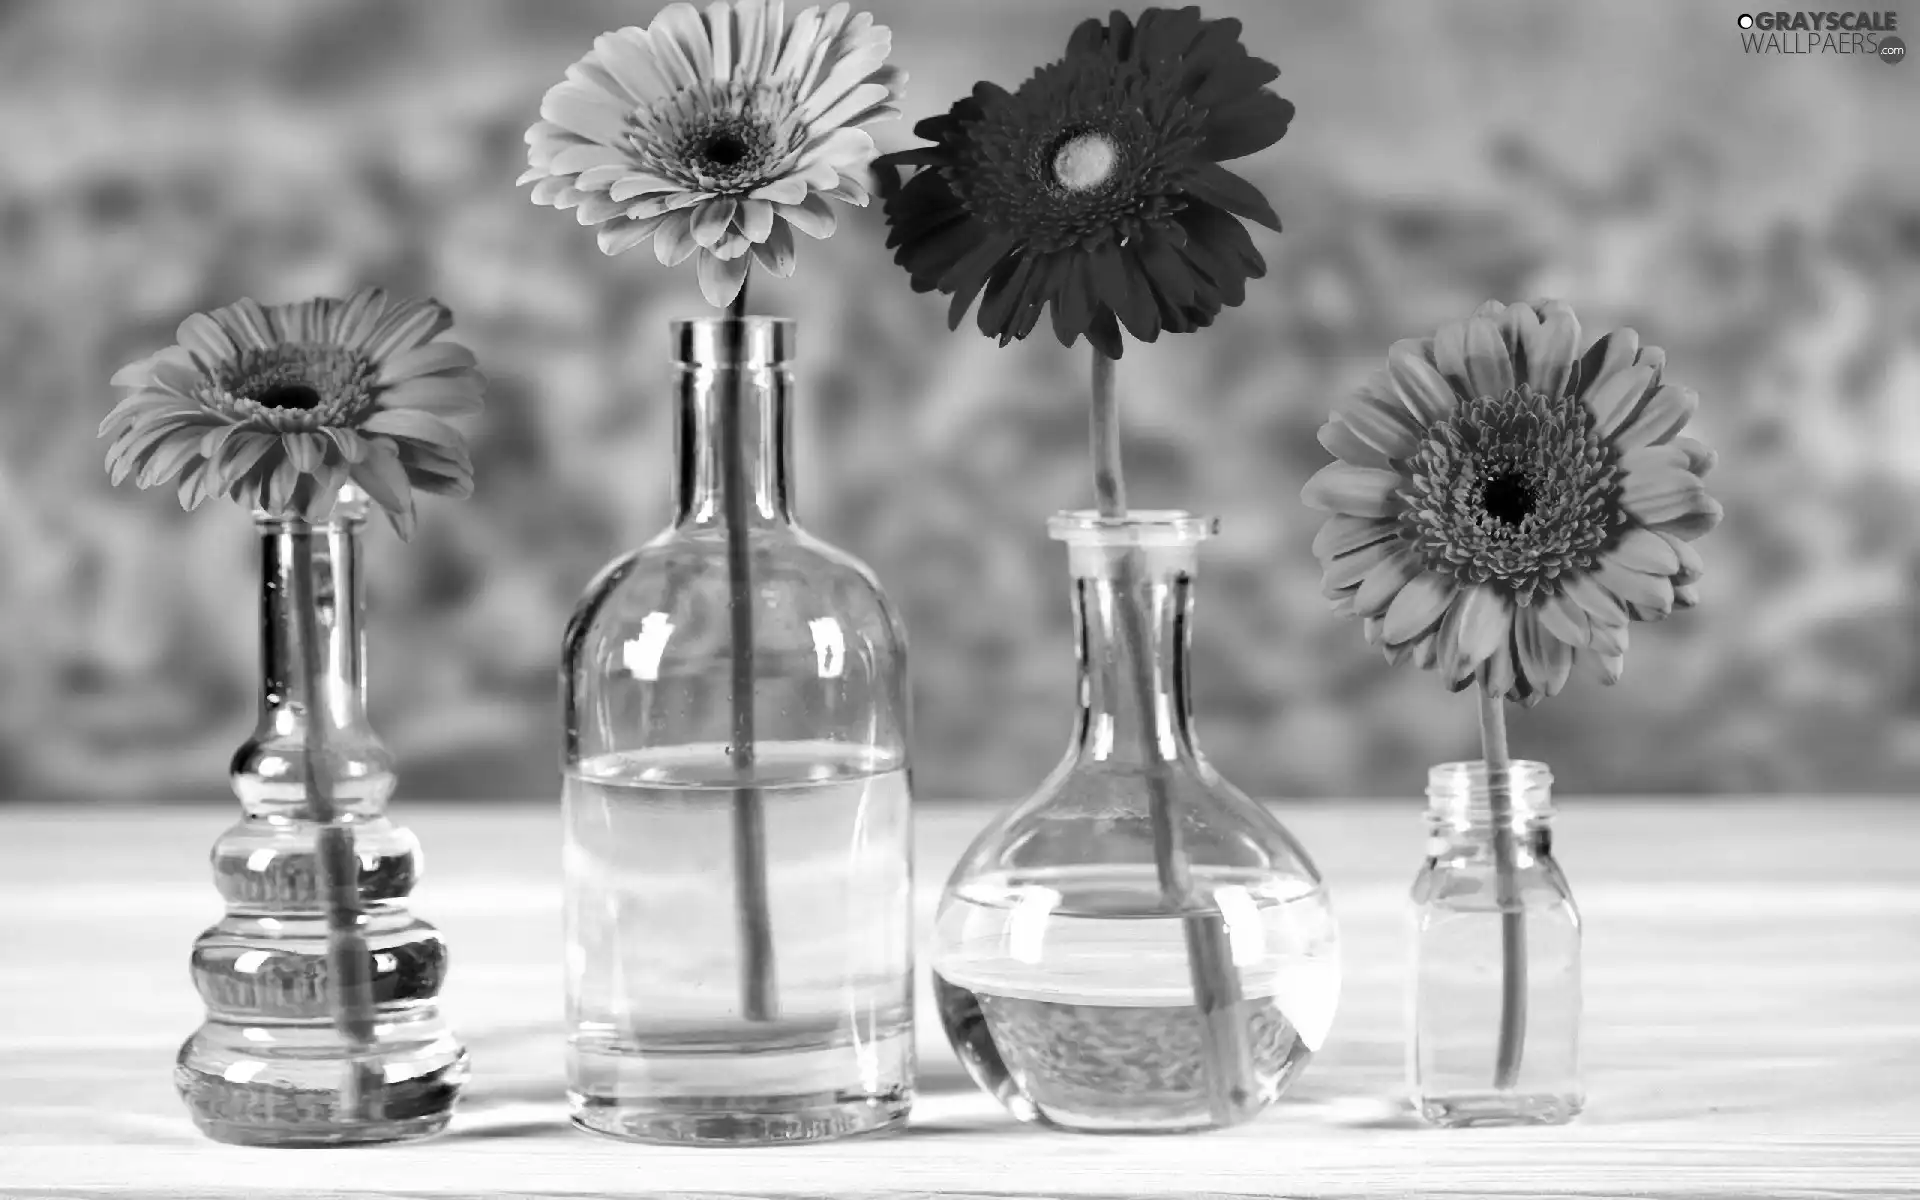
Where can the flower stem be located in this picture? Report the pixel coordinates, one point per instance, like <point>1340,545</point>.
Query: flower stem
<point>349,981</point>
<point>1513,917</point>
<point>759,998</point>
<point>1216,985</point>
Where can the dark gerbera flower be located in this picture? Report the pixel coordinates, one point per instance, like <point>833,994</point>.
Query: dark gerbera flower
<point>1097,187</point>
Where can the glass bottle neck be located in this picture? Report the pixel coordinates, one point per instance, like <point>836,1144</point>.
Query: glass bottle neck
<point>1133,608</point>
<point>732,431</point>
<point>312,568</point>
<point>1467,806</point>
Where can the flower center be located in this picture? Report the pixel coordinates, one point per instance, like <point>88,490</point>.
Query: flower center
<point>296,386</point>
<point>289,395</point>
<point>725,149</point>
<point>1085,161</point>
<point>1513,492</point>
<point>1508,497</point>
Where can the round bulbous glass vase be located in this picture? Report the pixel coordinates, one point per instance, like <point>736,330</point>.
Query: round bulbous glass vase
<point>1138,946</point>
<point>739,955</point>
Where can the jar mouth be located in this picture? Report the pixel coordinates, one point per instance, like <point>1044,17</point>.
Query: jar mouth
<point>1454,787</point>
<point>1135,527</point>
<point>710,341</point>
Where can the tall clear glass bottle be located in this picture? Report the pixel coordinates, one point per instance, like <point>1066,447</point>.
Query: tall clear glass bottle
<point>1137,947</point>
<point>1471,988</point>
<point>316,890</point>
<point>738,884</point>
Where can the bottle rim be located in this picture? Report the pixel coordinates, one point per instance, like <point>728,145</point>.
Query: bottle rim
<point>703,341</point>
<point>1457,787</point>
<point>1135,527</point>
<point>350,509</point>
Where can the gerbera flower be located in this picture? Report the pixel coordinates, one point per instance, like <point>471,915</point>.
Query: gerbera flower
<point>1097,187</point>
<point>1504,504</point>
<point>281,406</point>
<point>716,133</point>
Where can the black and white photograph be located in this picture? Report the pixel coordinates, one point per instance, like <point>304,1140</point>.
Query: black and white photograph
<point>975,599</point>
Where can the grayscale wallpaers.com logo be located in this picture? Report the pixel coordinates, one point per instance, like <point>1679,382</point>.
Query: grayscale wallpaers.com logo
<point>1865,33</point>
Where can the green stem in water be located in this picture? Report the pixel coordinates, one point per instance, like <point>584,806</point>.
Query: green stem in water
<point>759,997</point>
<point>349,961</point>
<point>1513,917</point>
<point>1228,1065</point>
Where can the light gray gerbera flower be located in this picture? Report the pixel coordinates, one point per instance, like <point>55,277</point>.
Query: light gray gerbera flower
<point>716,133</point>
<point>281,406</point>
<point>1503,504</point>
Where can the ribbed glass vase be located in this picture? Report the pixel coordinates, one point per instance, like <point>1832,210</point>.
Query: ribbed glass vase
<point>322,1026</point>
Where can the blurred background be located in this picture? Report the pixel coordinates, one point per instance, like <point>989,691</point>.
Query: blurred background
<point>1757,216</point>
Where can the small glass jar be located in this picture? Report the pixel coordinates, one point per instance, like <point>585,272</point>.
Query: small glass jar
<point>1138,947</point>
<point>1495,1003</point>
<point>739,951</point>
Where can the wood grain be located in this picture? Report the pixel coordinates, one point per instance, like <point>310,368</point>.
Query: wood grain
<point>1753,1030</point>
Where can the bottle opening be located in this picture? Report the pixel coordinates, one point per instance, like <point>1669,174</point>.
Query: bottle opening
<point>730,341</point>
<point>1150,527</point>
<point>1458,790</point>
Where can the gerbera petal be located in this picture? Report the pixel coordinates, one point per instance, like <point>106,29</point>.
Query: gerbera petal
<point>1419,606</point>
<point>1486,618</point>
<point>623,233</point>
<point>1552,349</point>
<point>633,184</point>
<point>1692,566</point>
<point>351,447</point>
<point>812,216</point>
<point>246,323</point>
<point>1609,640</point>
<point>755,219</point>
<point>1612,353</point>
<point>385,480</point>
<point>206,341</point>
<point>1562,616</point>
<point>789,189</point>
<point>413,425</point>
<point>1653,496</point>
<point>1600,605</point>
<point>1417,384</point>
<point>1616,399</point>
<point>442,395</point>
<point>425,360</point>
<point>1343,443</point>
<point>1489,365</point>
<point>673,238</point>
<point>1665,413</point>
<point>1218,186</point>
<point>681,45</point>
<point>1700,459</point>
<point>584,110</point>
<point>1351,569</point>
<point>1355,491</point>
<point>1343,535</point>
<point>1647,597</point>
<point>407,325</point>
<point>1382,422</point>
<point>720,279</point>
<point>1450,355</point>
<point>711,220</point>
<point>1644,551</point>
<point>776,253</point>
<point>844,113</point>
<point>1384,582</point>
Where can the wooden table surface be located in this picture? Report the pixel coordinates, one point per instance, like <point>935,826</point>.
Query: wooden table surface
<point>1753,1027</point>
